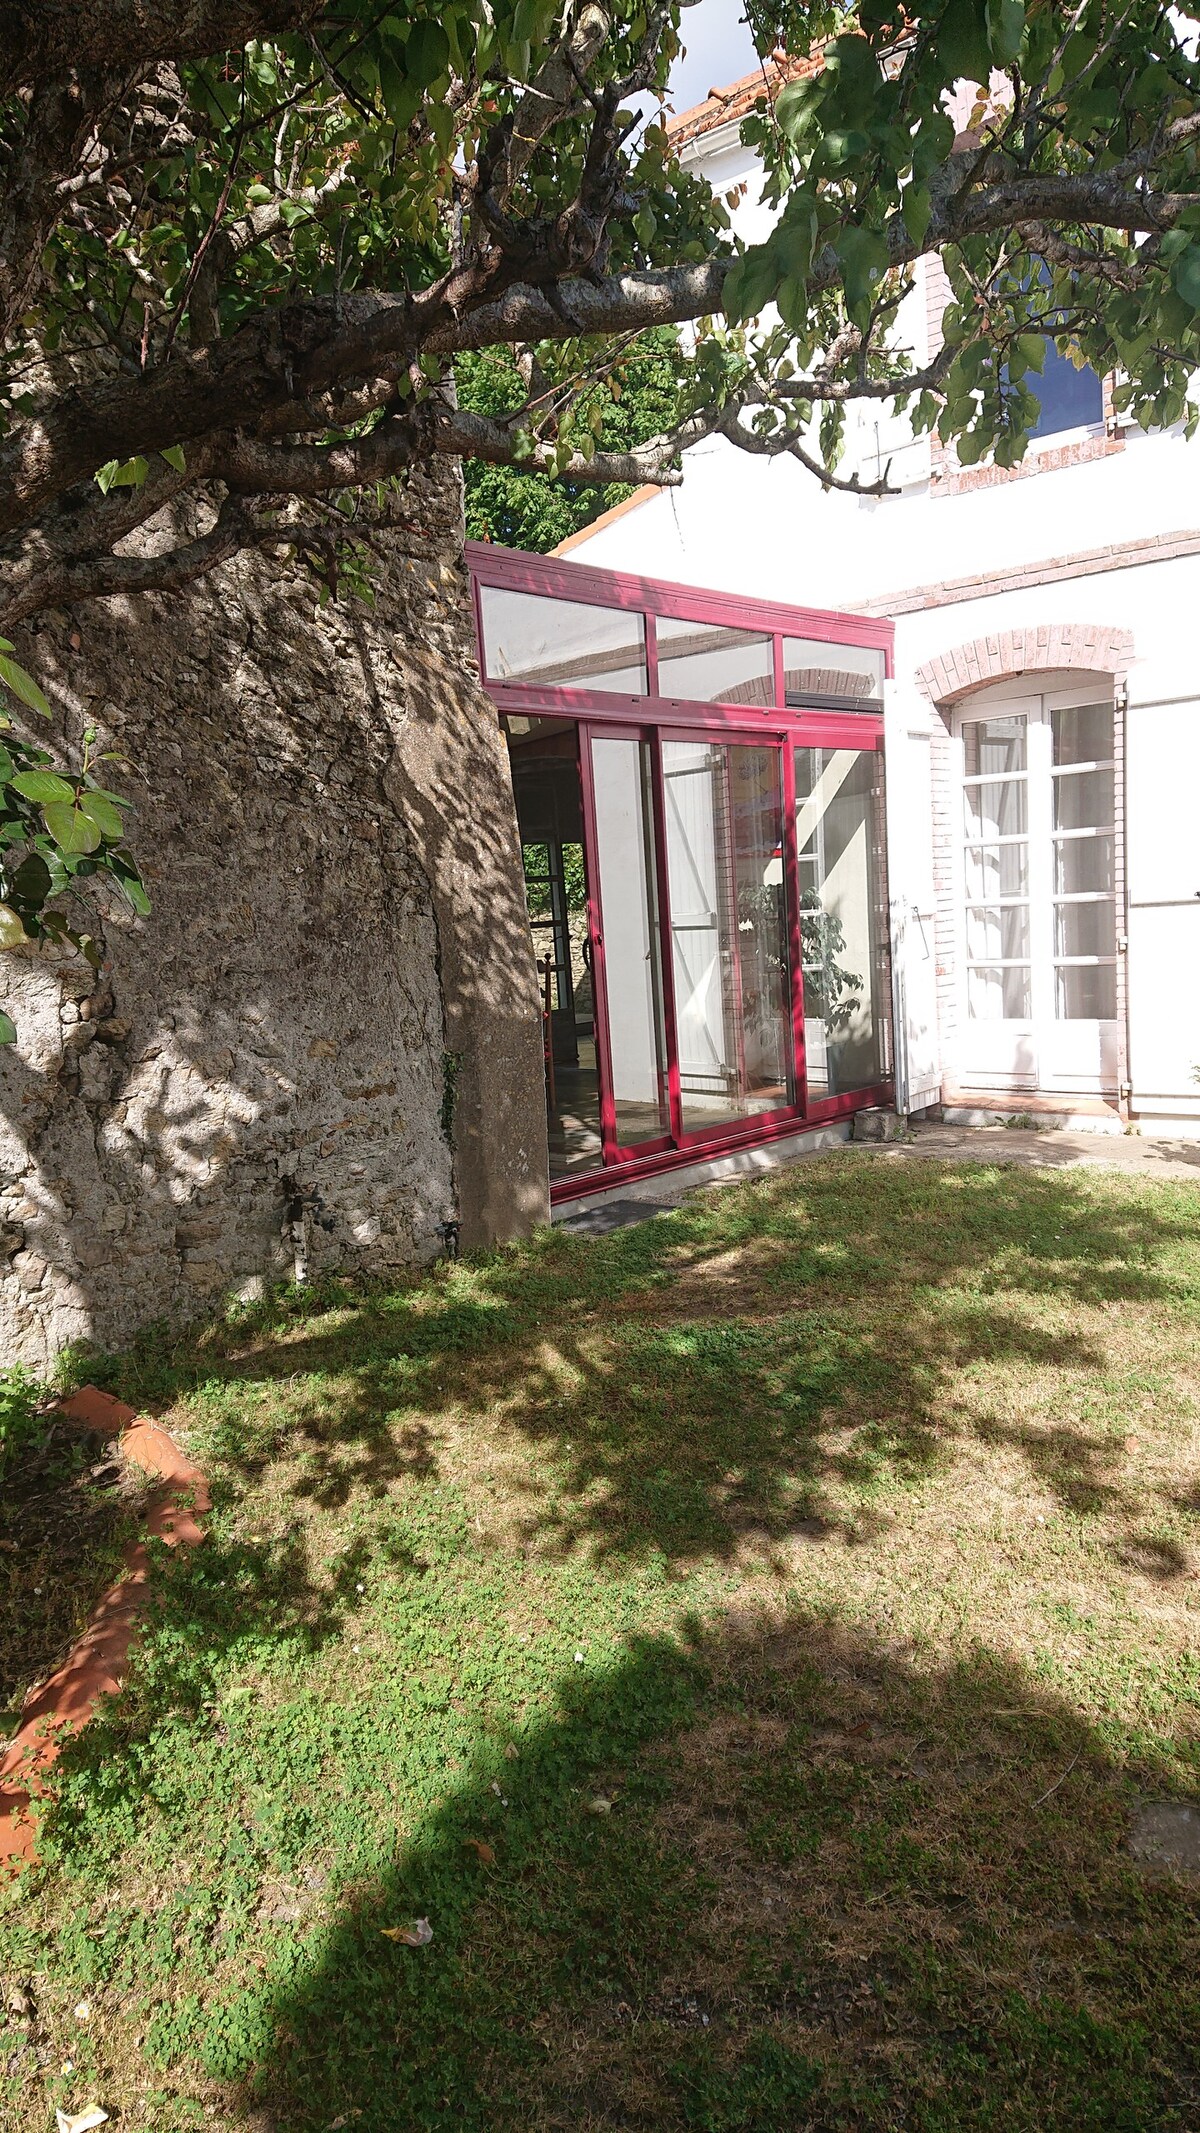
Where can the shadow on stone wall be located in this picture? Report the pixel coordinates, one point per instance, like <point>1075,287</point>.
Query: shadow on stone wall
<point>338,936</point>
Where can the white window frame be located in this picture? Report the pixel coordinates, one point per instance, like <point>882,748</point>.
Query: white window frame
<point>1040,837</point>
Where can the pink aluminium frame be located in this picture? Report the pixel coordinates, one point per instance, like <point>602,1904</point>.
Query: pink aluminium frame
<point>650,717</point>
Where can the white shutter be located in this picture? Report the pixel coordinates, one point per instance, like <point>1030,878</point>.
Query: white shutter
<point>1163,874</point>
<point>909,786</point>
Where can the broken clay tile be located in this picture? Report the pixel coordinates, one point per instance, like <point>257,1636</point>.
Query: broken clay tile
<point>96,1409</point>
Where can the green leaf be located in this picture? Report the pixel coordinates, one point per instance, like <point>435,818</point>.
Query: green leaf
<point>31,884</point>
<point>8,1028</point>
<point>963,43</point>
<point>1005,29</point>
<point>750,285</point>
<point>795,105</point>
<point>1033,350</point>
<point>22,685</point>
<point>401,94</point>
<point>134,889</point>
<point>864,260</point>
<point>12,932</point>
<point>71,829</point>
<point>126,474</point>
<point>427,53</point>
<point>44,787</point>
<point>6,765</point>
<point>174,456</point>
<point>916,208</point>
<point>1186,276</point>
<point>101,811</point>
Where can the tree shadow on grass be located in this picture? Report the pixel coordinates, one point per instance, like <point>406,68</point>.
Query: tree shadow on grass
<point>777,1874</point>
<point>761,1359</point>
<point>773,1876</point>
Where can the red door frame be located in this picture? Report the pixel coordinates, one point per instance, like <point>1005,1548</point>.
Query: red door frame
<point>681,1144</point>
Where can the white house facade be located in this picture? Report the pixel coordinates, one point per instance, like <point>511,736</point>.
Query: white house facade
<point>1042,724</point>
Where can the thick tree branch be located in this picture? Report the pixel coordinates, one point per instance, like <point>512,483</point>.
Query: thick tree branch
<point>41,39</point>
<point>102,576</point>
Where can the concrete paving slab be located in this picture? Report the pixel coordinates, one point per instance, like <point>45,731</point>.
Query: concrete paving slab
<point>1049,1149</point>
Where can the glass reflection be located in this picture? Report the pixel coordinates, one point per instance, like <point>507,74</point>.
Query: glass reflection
<point>562,644</point>
<point>724,828</point>
<point>709,665</point>
<point>841,918</point>
<point>625,859</point>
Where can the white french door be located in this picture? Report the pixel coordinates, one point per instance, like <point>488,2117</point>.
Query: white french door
<point>1037,922</point>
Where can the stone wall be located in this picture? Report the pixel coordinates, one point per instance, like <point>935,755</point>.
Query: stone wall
<point>337,967</point>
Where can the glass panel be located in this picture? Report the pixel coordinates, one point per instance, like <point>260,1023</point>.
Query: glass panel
<point>997,810</point>
<point>1084,734</point>
<point>629,907</point>
<point>561,644</point>
<point>994,747</point>
<point>1083,799</point>
<point>1083,863</point>
<point>814,668</point>
<point>709,665</point>
<point>545,773</point>
<point>998,995</point>
<point>1067,398</point>
<point>1000,935</point>
<point>1087,992</point>
<point>1085,929</point>
<point>841,932</point>
<point>996,870</point>
<point>724,826</point>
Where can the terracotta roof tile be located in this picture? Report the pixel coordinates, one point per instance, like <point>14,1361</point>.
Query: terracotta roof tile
<point>739,97</point>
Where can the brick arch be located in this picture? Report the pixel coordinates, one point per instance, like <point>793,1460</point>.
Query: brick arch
<point>1007,653</point>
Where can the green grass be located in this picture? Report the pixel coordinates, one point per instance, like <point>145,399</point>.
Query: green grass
<point>795,1599</point>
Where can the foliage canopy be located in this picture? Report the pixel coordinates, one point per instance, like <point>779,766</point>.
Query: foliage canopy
<point>243,245</point>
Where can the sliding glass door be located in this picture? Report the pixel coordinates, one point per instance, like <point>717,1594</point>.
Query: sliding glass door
<point>627,935</point>
<point>723,812</point>
<point>708,910</point>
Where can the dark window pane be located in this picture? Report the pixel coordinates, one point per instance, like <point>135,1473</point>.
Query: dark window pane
<point>546,788</point>
<point>561,644</point>
<point>704,664</point>
<point>814,668</point>
<point>1068,399</point>
<point>1087,992</point>
<point>1084,734</point>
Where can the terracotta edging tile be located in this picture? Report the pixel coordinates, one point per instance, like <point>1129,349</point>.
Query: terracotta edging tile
<point>96,1664</point>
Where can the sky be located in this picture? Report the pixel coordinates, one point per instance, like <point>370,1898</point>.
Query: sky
<point>719,48</point>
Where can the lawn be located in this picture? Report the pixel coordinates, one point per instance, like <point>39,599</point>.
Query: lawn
<point>747,1639</point>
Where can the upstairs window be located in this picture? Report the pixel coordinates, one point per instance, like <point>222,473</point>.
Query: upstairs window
<point>1068,399</point>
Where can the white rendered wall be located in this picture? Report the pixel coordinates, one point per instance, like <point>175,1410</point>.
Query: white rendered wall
<point>766,528</point>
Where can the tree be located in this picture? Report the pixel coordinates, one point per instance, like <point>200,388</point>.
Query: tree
<point>243,244</point>
<point>625,400</point>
